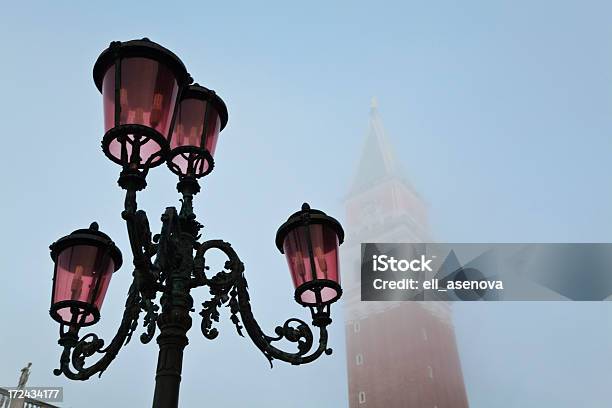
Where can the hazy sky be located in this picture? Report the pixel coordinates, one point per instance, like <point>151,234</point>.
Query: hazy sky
<point>500,113</point>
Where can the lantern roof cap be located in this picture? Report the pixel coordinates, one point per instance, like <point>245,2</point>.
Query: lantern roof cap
<point>87,236</point>
<point>143,48</point>
<point>307,216</point>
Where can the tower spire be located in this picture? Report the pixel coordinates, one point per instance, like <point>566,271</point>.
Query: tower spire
<point>377,162</point>
<point>373,104</point>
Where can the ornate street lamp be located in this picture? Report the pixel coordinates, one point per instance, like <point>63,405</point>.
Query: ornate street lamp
<point>153,115</point>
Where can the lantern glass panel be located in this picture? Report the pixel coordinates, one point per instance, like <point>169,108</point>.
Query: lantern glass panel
<point>83,273</point>
<point>212,132</point>
<point>325,259</point>
<point>191,115</point>
<point>147,97</point>
<point>189,123</point>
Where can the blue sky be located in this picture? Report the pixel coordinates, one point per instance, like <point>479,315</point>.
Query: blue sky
<point>499,111</point>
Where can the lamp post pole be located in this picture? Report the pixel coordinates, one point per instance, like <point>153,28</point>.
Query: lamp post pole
<point>178,124</point>
<point>175,321</point>
<point>173,325</point>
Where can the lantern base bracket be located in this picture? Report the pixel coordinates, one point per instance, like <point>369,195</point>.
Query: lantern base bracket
<point>317,286</point>
<point>79,310</point>
<point>198,162</point>
<point>321,319</point>
<point>132,179</point>
<point>188,185</point>
<point>130,140</point>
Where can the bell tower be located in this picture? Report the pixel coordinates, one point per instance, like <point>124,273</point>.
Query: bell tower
<point>399,354</point>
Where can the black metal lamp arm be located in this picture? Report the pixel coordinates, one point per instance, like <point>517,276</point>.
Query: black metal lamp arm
<point>76,350</point>
<point>231,288</point>
<point>141,294</point>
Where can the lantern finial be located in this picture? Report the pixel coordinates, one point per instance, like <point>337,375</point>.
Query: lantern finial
<point>305,207</point>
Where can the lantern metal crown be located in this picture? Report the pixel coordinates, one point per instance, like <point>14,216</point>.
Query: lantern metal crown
<point>153,114</point>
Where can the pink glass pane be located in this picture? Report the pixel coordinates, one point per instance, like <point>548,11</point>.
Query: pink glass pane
<point>325,251</point>
<point>147,96</point>
<point>108,98</point>
<point>188,131</point>
<point>83,273</point>
<point>212,133</point>
<point>189,123</point>
<point>148,149</point>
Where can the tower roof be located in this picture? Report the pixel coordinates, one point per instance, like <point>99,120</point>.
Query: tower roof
<point>377,162</point>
